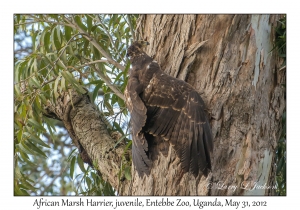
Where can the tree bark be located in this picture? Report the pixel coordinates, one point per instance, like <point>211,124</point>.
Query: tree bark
<point>90,134</point>
<point>238,78</point>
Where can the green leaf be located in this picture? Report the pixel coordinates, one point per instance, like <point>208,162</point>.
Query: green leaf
<point>33,82</point>
<point>279,166</point>
<point>284,173</point>
<point>47,59</point>
<point>68,33</point>
<point>128,146</point>
<point>17,91</point>
<point>34,139</point>
<point>26,158</point>
<point>72,166</point>
<point>62,85</point>
<point>95,82</point>
<point>121,139</point>
<point>85,49</point>
<point>36,125</point>
<point>42,38</point>
<point>107,104</point>
<point>50,124</point>
<point>25,184</point>
<point>77,19</point>
<point>33,38</point>
<point>94,27</point>
<point>118,77</point>
<point>89,22</point>
<point>18,191</point>
<point>60,64</point>
<point>18,18</point>
<point>71,155</point>
<point>96,89</point>
<point>58,33</point>
<point>127,173</point>
<point>19,135</point>
<point>55,39</point>
<point>121,102</point>
<point>23,148</point>
<point>95,52</point>
<point>114,99</point>
<point>55,87</point>
<point>94,176</point>
<point>17,71</point>
<point>47,41</point>
<point>34,148</point>
<point>43,99</point>
<point>70,78</point>
<point>63,57</point>
<point>118,128</point>
<point>80,163</point>
<point>18,174</point>
<point>88,182</point>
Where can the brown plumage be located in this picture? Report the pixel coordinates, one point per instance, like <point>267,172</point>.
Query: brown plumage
<point>168,111</point>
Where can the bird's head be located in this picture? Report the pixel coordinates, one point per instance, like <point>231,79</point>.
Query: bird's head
<point>136,48</point>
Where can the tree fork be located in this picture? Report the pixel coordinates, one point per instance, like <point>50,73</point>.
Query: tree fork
<point>91,136</point>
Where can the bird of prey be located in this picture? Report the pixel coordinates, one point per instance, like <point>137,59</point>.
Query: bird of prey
<point>165,111</point>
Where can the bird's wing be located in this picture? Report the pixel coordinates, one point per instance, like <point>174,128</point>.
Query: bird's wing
<point>138,119</point>
<point>176,112</point>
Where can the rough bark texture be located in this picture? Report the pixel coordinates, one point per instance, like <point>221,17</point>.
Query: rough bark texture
<point>240,83</point>
<point>89,132</point>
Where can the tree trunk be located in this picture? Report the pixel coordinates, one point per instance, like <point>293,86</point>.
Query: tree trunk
<point>90,134</point>
<point>240,84</point>
<point>239,81</point>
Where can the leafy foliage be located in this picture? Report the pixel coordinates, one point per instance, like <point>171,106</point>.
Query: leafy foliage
<point>281,159</point>
<point>66,51</point>
<point>280,46</point>
<point>280,39</point>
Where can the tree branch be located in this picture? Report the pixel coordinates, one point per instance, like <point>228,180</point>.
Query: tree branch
<point>108,82</point>
<point>130,26</point>
<point>92,62</point>
<point>85,125</point>
<point>110,38</point>
<point>96,44</point>
<point>47,21</point>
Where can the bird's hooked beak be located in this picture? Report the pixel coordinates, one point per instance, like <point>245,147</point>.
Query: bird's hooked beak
<point>140,44</point>
<point>144,43</point>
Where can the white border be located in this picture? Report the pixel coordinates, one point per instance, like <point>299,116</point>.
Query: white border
<point>8,8</point>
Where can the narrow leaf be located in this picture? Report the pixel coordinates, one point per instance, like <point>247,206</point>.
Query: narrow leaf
<point>70,78</point>
<point>88,182</point>
<point>71,154</point>
<point>24,149</point>
<point>118,128</point>
<point>121,139</point>
<point>77,19</point>
<point>127,173</point>
<point>89,22</point>
<point>34,139</point>
<point>72,166</point>
<point>68,32</point>
<point>80,163</point>
<point>56,39</point>
<point>55,87</point>
<point>96,89</point>
<point>35,124</point>
<point>61,85</point>
<point>34,148</point>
